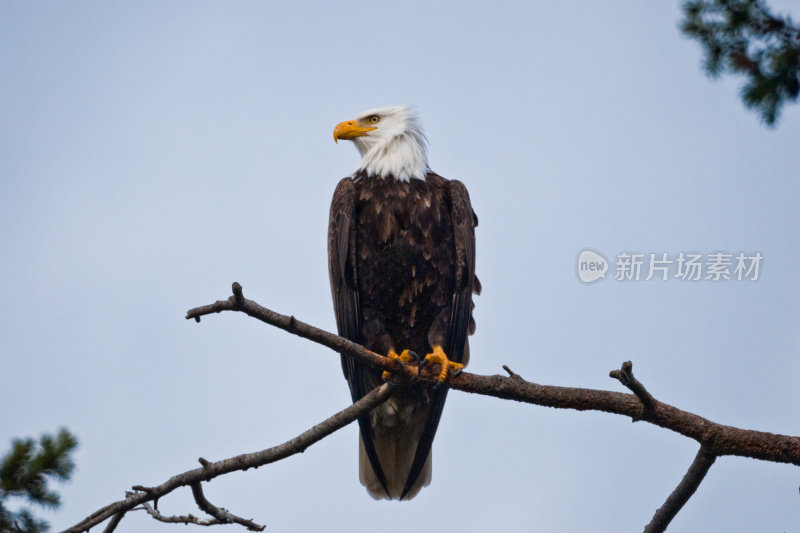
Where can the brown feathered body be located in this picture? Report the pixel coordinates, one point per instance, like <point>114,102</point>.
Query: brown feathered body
<point>402,259</point>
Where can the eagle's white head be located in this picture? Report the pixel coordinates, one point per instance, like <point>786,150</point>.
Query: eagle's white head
<point>390,141</point>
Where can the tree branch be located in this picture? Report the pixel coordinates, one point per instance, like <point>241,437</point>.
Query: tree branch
<point>182,519</point>
<point>210,470</point>
<point>114,522</point>
<point>715,439</point>
<point>222,515</point>
<point>718,439</point>
<point>693,477</point>
<point>625,376</point>
<point>685,489</point>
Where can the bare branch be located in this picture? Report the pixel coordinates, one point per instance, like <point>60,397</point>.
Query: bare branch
<point>717,438</point>
<point>114,522</point>
<point>241,462</point>
<point>182,519</point>
<point>625,376</point>
<point>685,489</point>
<point>219,516</point>
<point>511,373</point>
<point>222,515</point>
<point>292,325</point>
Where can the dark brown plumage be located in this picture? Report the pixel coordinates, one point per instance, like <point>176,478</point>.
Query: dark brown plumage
<point>402,269</point>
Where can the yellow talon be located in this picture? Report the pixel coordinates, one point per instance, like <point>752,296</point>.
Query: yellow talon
<point>406,356</point>
<point>439,357</point>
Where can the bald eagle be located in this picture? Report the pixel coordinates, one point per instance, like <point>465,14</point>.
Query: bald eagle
<point>401,258</point>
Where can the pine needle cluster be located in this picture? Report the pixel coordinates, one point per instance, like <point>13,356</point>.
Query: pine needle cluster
<point>25,472</point>
<point>742,37</point>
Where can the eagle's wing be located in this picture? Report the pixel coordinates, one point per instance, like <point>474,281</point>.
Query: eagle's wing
<point>344,290</point>
<point>461,323</point>
<point>341,262</point>
<point>464,222</point>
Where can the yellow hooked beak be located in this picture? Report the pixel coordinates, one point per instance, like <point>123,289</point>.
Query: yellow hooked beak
<point>349,129</point>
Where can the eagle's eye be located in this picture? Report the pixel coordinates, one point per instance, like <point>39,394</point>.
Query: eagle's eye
<point>374,119</point>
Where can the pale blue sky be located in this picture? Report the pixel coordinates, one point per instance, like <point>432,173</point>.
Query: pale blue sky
<point>152,153</point>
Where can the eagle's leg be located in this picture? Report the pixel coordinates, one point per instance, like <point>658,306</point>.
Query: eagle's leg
<point>406,356</point>
<point>437,356</point>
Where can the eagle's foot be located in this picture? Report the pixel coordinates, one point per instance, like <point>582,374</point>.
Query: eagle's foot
<point>406,356</point>
<point>448,367</point>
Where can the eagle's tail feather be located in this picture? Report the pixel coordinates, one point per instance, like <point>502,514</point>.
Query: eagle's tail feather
<point>396,458</point>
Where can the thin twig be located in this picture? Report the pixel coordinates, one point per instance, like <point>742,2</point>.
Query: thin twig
<point>180,519</point>
<point>240,462</point>
<point>685,489</point>
<point>625,376</point>
<point>223,515</point>
<point>511,373</point>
